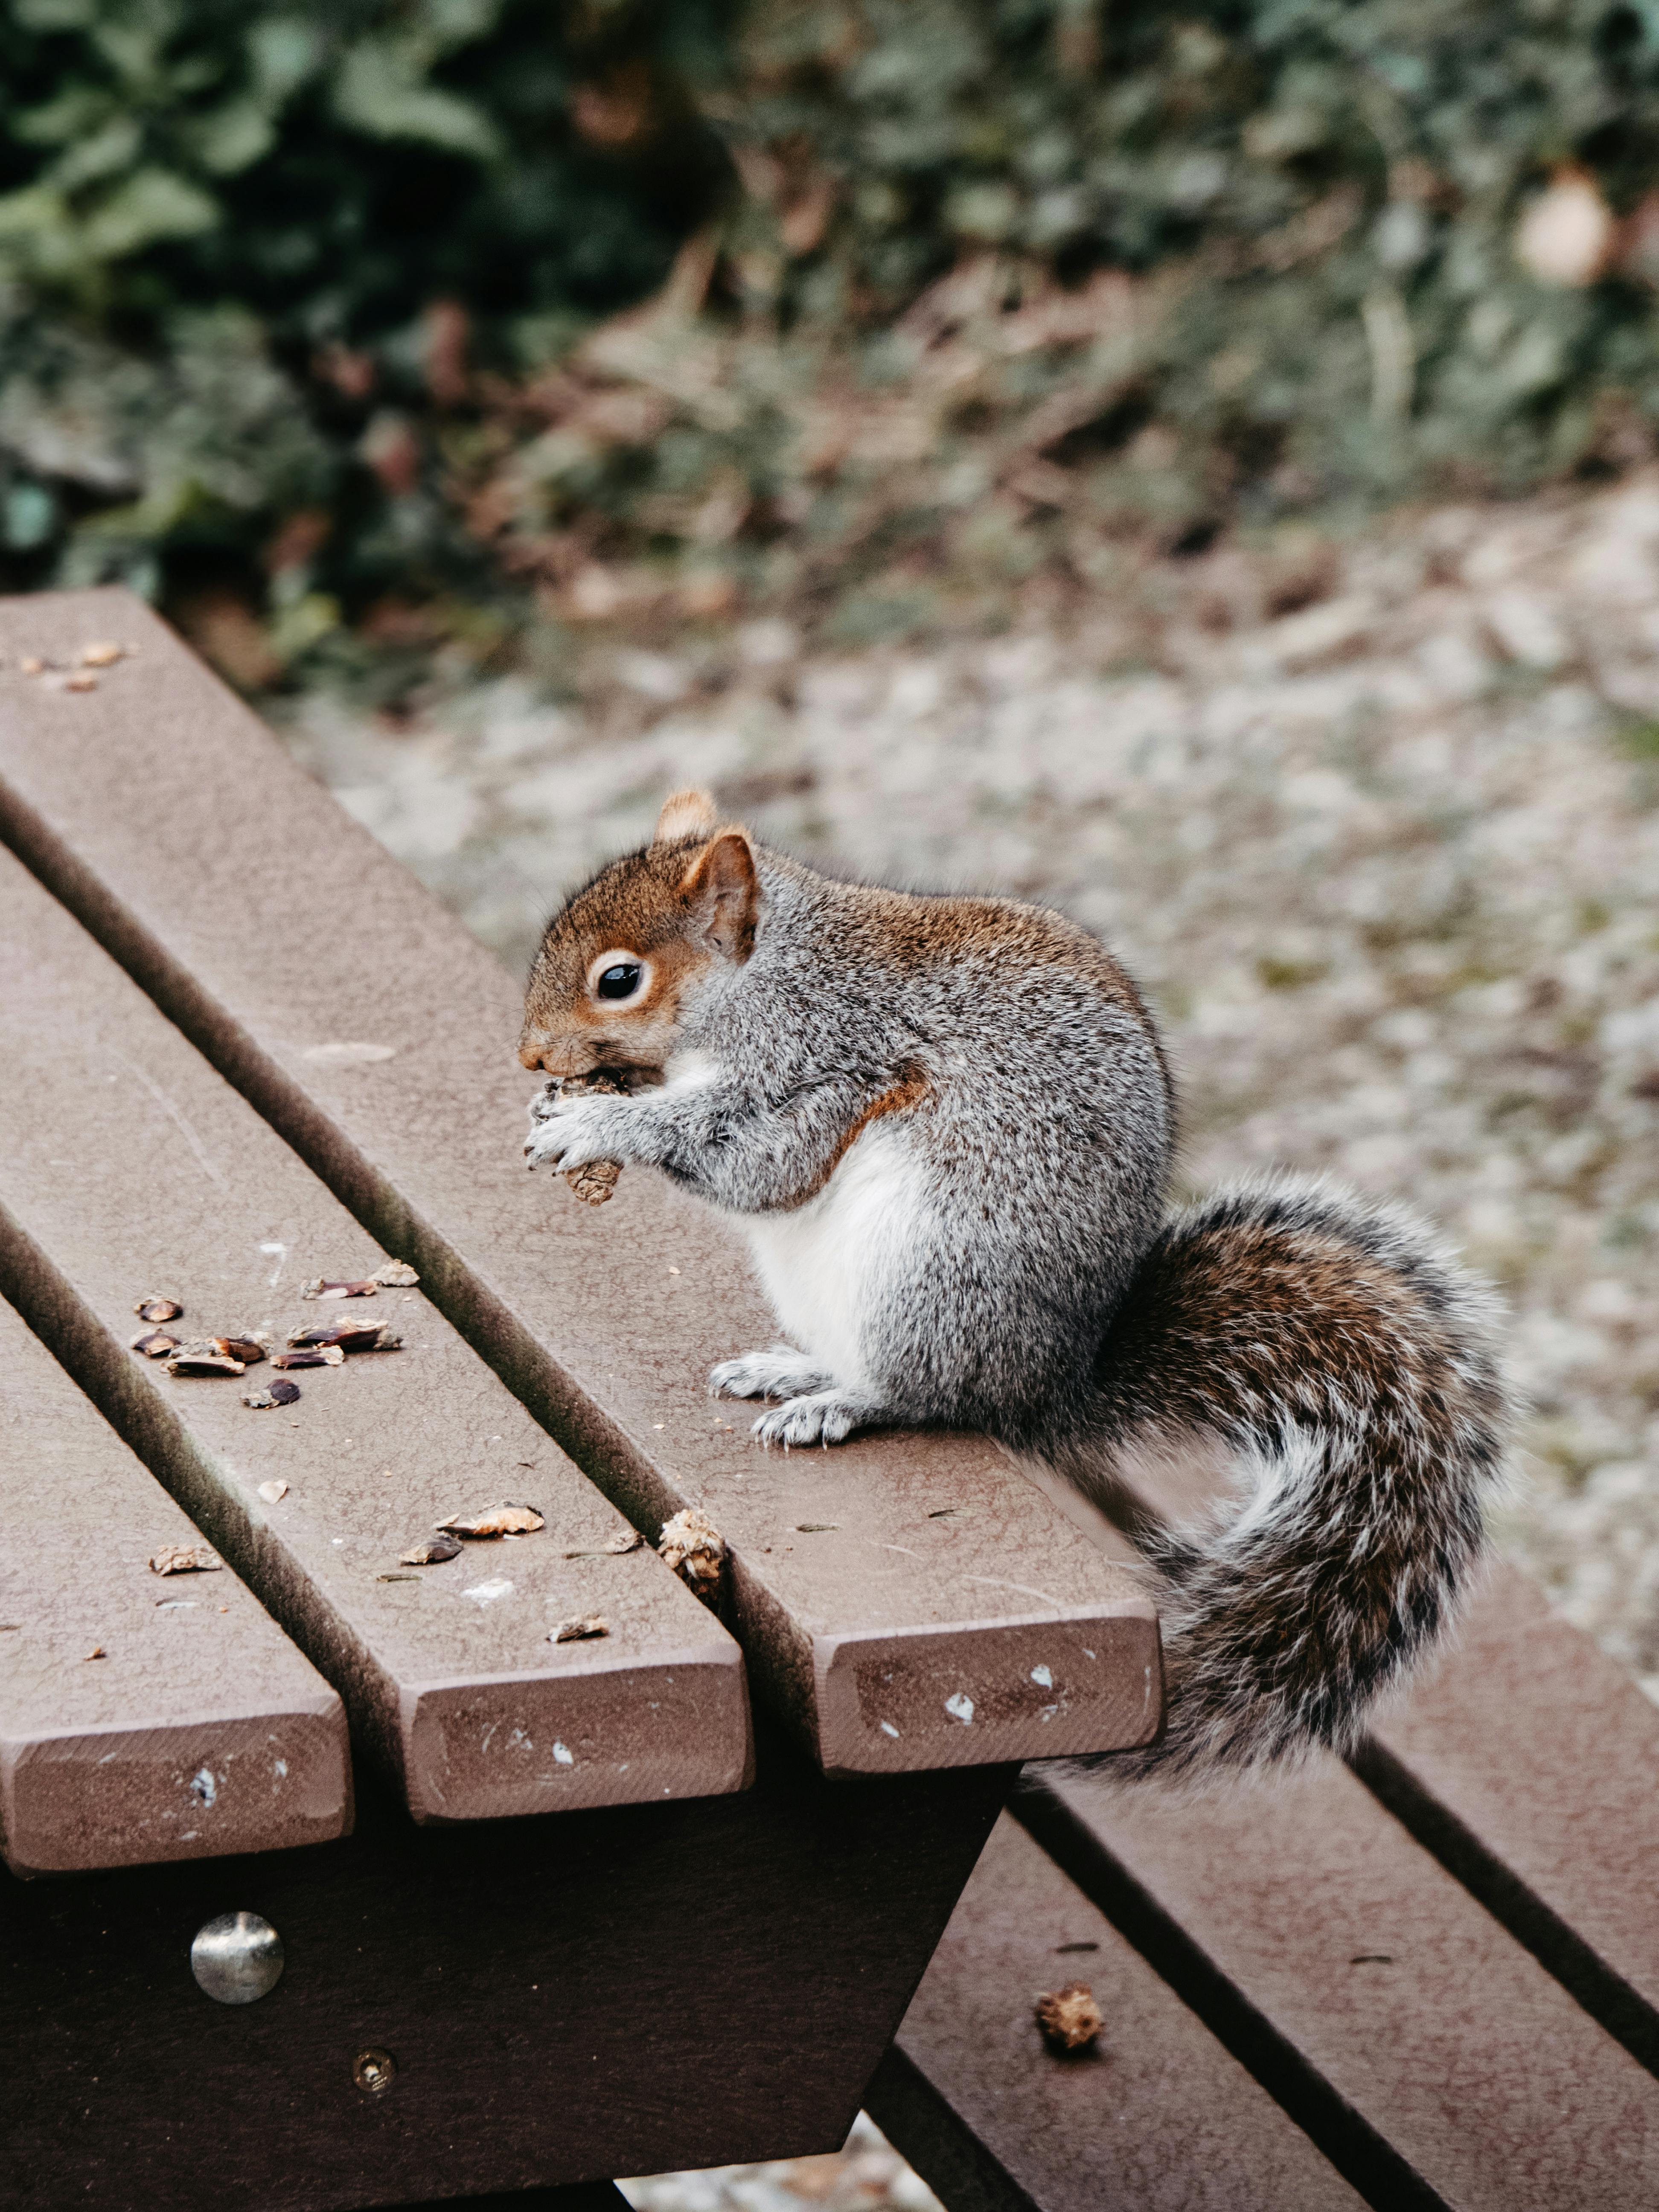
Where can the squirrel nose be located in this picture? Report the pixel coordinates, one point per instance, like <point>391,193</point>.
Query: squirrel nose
<point>532,1046</point>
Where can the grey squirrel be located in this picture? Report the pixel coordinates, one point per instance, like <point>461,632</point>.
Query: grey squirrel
<point>946,1126</point>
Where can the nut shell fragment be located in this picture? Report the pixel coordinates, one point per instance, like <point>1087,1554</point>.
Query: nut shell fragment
<point>322,1355</point>
<point>273,1493</point>
<point>279,1393</point>
<point>594,1183</point>
<point>430,1551</point>
<point>349,1335</point>
<point>247,1349</point>
<point>626,1540</point>
<point>694,1549</point>
<point>185,1559</point>
<point>158,1309</point>
<point>396,1275</point>
<point>205,1358</point>
<point>505,1520</point>
<point>321,1287</point>
<point>1069,2018</point>
<point>155,1343</point>
<point>580,1628</point>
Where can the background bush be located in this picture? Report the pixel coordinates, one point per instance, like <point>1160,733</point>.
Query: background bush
<point>318,306</point>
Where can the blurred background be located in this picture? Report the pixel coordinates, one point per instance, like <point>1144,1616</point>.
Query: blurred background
<point>1191,463</point>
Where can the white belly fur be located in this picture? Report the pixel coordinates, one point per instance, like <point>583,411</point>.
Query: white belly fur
<point>824,1264</point>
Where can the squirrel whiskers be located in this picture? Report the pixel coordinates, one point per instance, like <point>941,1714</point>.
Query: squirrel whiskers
<point>944,1127</point>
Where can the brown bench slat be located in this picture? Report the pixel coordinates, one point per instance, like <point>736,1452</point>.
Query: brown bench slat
<point>1156,2117</point>
<point>1530,1765</point>
<point>200,1730</point>
<point>1430,2058</point>
<point>129,1167</point>
<point>883,1591</point>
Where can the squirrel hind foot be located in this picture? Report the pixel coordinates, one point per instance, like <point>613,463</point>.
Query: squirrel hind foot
<point>826,1417</point>
<point>781,1372</point>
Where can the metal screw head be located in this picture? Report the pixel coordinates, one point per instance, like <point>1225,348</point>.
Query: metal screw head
<point>373,2072</point>
<point>237,1958</point>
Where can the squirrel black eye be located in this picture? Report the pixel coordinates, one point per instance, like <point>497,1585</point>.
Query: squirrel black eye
<point>620,980</point>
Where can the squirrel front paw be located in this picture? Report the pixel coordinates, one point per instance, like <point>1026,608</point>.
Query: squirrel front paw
<point>827,1417</point>
<point>782,1372</point>
<point>570,1133</point>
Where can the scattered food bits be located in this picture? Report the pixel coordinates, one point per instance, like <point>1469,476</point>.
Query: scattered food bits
<point>349,1335</point>
<point>325,1355</point>
<point>815,1527</point>
<point>185,1559</point>
<point>102,654</point>
<point>1069,2018</point>
<point>273,1493</point>
<point>155,1343</point>
<point>694,1549</point>
<point>278,1394</point>
<point>158,1309</point>
<point>626,1540</point>
<point>31,665</point>
<point>431,1552</point>
<point>97,1652</point>
<point>505,1520</point>
<point>205,1358</point>
<point>579,1627</point>
<point>322,1288</point>
<point>396,1275</point>
<point>80,682</point>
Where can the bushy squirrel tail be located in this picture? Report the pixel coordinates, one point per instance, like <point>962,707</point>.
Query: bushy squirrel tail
<point>1349,1367</point>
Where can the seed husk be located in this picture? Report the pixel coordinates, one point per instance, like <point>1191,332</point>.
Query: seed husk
<point>580,1628</point>
<point>1069,2018</point>
<point>101,654</point>
<point>430,1551</point>
<point>247,1349</point>
<point>349,1335</point>
<point>396,1275</point>
<point>323,1355</point>
<point>273,1493</point>
<point>504,1520</point>
<point>154,1343</point>
<point>278,1393</point>
<point>185,1559</point>
<point>158,1309</point>
<point>321,1287</point>
<point>204,1358</point>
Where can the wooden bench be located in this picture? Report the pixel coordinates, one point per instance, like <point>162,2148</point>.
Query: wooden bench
<point>1431,1981</point>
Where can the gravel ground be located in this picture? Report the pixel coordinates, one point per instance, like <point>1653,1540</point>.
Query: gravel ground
<point>1376,823</point>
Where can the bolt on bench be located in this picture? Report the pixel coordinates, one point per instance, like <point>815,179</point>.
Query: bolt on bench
<point>1432,1981</point>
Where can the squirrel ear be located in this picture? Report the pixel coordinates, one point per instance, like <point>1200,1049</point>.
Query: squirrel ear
<point>687,814</point>
<point>723,892</point>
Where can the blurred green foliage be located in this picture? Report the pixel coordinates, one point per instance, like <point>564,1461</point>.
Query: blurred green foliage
<point>319,303</point>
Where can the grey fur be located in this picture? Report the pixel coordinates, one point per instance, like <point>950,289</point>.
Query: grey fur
<point>1031,1141</point>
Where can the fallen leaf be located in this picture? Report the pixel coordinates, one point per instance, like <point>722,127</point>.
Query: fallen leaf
<point>1069,2018</point>
<point>274,1492</point>
<point>396,1275</point>
<point>278,1394</point>
<point>505,1520</point>
<point>185,1559</point>
<point>158,1309</point>
<point>579,1627</point>
<point>322,1288</point>
<point>155,1342</point>
<point>325,1355</point>
<point>430,1551</point>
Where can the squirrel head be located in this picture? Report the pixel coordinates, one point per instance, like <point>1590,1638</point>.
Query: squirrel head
<point>616,960</point>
